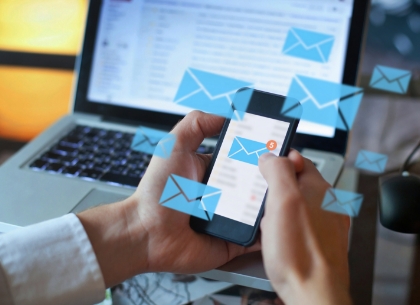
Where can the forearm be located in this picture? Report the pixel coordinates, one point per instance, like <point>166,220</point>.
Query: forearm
<point>118,240</point>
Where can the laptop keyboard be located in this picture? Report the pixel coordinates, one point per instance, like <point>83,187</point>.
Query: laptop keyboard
<point>98,155</point>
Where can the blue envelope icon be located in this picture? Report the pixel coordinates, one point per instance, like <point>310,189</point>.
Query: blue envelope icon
<point>323,102</point>
<point>213,93</point>
<point>342,202</point>
<point>308,45</point>
<point>190,197</point>
<point>371,161</point>
<point>246,150</point>
<point>153,142</point>
<point>390,79</point>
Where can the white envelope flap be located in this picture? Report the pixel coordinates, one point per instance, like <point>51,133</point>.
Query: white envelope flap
<point>310,96</point>
<point>147,138</point>
<point>249,151</point>
<point>310,46</point>
<point>203,204</point>
<point>162,146</point>
<point>349,202</point>
<point>168,138</point>
<point>401,74</point>
<point>373,160</point>
<point>206,92</point>
<point>336,200</point>
<point>190,190</point>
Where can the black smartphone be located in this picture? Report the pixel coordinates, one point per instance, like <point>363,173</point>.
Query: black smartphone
<point>234,167</point>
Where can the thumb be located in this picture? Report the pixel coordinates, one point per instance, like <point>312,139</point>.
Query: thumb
<point>194,127</point>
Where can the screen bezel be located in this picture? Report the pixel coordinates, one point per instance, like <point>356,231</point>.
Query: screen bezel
<point>267,105</point>
<point>127,115</point>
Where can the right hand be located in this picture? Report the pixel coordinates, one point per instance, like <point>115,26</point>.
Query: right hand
<point>304,247</point>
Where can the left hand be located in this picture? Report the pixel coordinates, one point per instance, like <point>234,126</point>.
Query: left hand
<point>138,235</point>
<point>172,245</point>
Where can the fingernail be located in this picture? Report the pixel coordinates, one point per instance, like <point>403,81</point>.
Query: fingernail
<point>294,151</point>
<point>267,156</point>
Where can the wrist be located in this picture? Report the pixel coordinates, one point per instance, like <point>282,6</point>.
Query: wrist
<point>118,240</point>
<point>321,286</point>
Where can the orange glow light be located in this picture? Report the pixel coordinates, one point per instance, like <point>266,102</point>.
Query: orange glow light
<point>31,100</point>
<point>42,26</point>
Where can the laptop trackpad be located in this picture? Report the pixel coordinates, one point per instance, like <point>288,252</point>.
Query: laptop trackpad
<point>97,197</point>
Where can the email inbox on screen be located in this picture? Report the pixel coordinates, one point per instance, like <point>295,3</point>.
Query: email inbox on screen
<point>249,43</point>
<point>236,170</point>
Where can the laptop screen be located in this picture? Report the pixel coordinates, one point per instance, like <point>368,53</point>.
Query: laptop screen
<point>143,48</point>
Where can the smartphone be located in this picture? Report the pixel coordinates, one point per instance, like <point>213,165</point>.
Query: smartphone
<point>234,168</point>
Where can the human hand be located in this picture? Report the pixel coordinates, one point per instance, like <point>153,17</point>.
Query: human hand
<point>139,235</point>
<point>172,245</point>
<point>304,247</point>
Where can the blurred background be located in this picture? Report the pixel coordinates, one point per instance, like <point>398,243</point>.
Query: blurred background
<point>39,41</point>
<point>393,38</point>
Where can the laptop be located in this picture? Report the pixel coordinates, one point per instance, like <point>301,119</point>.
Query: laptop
<point>133,58</point>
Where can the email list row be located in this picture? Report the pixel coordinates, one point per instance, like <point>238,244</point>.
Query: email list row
<point>143,67</point>
<point>235,171</point>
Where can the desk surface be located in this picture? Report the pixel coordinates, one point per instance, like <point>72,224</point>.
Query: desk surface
<point>246,270</point>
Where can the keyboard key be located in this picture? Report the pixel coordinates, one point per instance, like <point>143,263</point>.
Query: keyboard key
<point>91,173</point>
<point>121,179</point>
<point>205,149</point>
<point>136,173</point>
<point>121,153</point>
<point>88,148</point>
<point>39,164</point>
<point>71,141</point>
<point>101,166</point>
<point>98,154</point>
<point>132,165</point>
<point>76,133</point>
<point>118,160</point>
<point>85,163</point>
<point>51,156</point>
<point>54,167</point>
<point>136,154</point>
<point>118,135</point>
<point>147,158</point>
<point>136,164</point>
<point>71,170</point>
<point>118,169</point>
<point>105,158</point>
<point>68,160</point>
<point>65,150</point>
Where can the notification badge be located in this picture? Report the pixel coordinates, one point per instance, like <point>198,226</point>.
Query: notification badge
<point>271,145</point>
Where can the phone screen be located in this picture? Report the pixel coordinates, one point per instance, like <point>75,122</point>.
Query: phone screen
<point>235,170</point>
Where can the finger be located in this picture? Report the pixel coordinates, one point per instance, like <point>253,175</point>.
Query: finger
<point>310,172</point>
<point>309,165</point>
<point>277,171</point>
<point>237,250</point>
<point>297,160</point>
<point>195,127</point>
<point>283,189</point>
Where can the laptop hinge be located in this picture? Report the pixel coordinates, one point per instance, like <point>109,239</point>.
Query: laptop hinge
<point>133,123</point>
